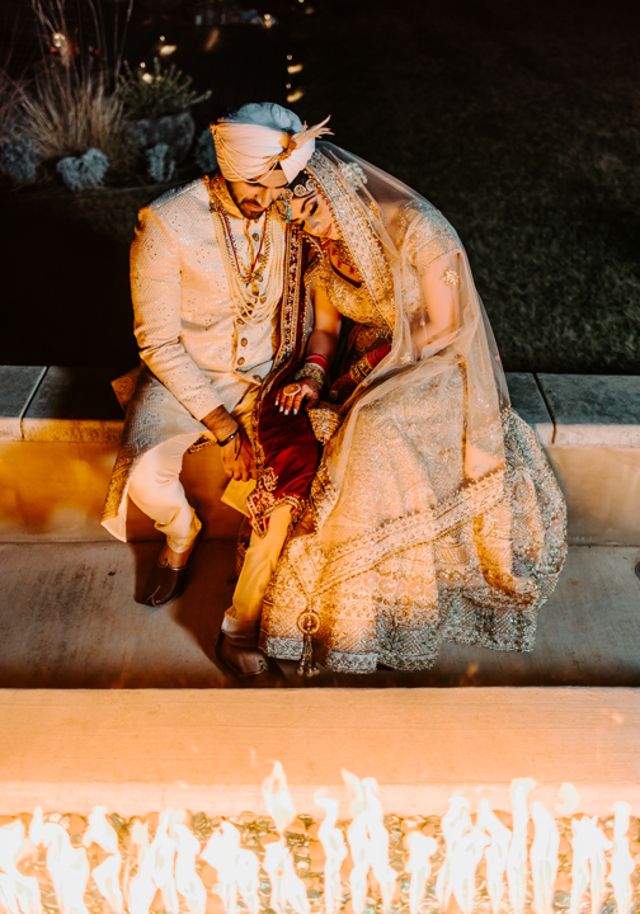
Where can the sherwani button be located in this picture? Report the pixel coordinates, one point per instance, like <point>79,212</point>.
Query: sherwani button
<point>241,361</point>
<point>244,341</point>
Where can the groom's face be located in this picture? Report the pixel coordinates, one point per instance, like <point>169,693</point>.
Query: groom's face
<point>254,197</point>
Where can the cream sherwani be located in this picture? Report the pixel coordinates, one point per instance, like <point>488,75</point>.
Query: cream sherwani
<point>197,350</point>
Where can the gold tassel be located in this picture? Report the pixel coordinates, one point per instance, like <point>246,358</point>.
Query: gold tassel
<point>308,622</point>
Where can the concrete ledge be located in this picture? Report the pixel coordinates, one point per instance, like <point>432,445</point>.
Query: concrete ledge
<point>59,430</point>
<point>593,410</point>
<point>73,405</point>
<point>58,404</point>
<point>18,384</point>
<point>141,751</point>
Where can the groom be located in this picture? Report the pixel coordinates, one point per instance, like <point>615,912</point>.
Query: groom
<point>209,268</point>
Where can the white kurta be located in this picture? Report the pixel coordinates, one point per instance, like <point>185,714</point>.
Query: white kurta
<point>198,351</point>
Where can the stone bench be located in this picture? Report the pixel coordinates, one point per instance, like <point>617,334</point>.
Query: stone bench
<point>209,749</point>
<point>59,430</point>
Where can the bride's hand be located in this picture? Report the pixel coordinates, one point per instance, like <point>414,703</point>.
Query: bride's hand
<point>292,396</point>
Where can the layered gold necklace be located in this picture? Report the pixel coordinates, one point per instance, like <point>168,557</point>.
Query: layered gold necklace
<point>252,300</point>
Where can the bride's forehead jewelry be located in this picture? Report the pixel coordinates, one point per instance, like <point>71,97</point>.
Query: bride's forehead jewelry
<point>303,186</point>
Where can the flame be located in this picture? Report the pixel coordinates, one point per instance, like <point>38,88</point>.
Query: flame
<point>569,800</point>
<point>277,798</point>
<point>107,874</point>
<point>421,849</point>
<point>544,858</point>
<point>238,869</point>
<point>69,866</point>
<point>456,822</point>
<point>287,889</point>
<point>622,865</point>
<point>588,870</point>
<point>18,893</point>
<point>369,843</point>
<point>286,886</point>
<point>517,857</point>
<point>163,868</point>
<point>188,883</point>
<point>335,850</point>
<point>496,853</point>
<point>156,862</point>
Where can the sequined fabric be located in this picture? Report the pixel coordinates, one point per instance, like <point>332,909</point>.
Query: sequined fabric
<point>409,580</point>
<point>436,516</point>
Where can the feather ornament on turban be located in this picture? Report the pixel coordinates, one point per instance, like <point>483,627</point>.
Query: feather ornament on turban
<point>258,137</point>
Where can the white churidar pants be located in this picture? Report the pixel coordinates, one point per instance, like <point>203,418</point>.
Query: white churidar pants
<point>155,487</point>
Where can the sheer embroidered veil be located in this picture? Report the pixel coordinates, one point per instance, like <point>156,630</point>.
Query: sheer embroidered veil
<point>410,257</point>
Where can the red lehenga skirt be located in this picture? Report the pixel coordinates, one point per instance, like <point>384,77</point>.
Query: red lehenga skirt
<point>287,457</point>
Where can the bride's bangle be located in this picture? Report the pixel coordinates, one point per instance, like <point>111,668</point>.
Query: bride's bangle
<point>313,373</point>
<point>314,368</point>
<point>360,369</point>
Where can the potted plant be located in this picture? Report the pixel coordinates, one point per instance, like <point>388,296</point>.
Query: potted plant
<point>157,105</point>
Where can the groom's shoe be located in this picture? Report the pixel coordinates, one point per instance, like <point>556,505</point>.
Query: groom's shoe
<point>165,581</point>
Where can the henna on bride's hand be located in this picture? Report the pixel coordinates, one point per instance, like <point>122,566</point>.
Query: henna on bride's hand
<point>292,396</point>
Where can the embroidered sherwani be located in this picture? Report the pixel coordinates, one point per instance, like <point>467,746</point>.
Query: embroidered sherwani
<point>199,347</point>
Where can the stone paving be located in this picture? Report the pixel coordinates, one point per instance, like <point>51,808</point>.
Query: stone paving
<point>68,619</point>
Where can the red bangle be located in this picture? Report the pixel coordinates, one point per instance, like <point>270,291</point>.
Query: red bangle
<point>317,359</point>
<point>377,355</point>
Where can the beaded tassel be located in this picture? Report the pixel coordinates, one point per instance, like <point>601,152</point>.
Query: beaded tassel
<point>308,623</point>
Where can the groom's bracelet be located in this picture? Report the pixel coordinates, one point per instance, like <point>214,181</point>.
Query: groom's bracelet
<point>229,438</point>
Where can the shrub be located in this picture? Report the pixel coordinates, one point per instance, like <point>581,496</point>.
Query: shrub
<point>161,92</point>
<point>205,152</point>
<point>18,161</point>
<point>160,165</point>
<point>11,114</point>
<point>84,172</point>
<point>70,105</point>
<point>67,114</point>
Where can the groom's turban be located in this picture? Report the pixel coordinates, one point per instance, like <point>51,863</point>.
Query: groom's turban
<point>258,137</point>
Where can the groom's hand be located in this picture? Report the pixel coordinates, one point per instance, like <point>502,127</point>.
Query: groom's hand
<point>238,459</point>
<point>237,456</point>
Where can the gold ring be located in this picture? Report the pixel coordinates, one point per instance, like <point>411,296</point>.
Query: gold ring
<point>292,389</point>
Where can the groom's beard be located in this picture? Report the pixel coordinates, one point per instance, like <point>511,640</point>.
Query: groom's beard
<point>250,209</point>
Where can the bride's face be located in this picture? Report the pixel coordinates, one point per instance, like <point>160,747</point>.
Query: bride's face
<point>313,215</point>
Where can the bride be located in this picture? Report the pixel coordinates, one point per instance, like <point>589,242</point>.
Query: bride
<point>434,515</point>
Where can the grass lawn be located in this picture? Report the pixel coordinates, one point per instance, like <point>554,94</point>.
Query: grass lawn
<point>521,121</point>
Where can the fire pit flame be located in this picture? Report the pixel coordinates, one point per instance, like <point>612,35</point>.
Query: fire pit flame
<point>468,862</point>
<point>335,850</point>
